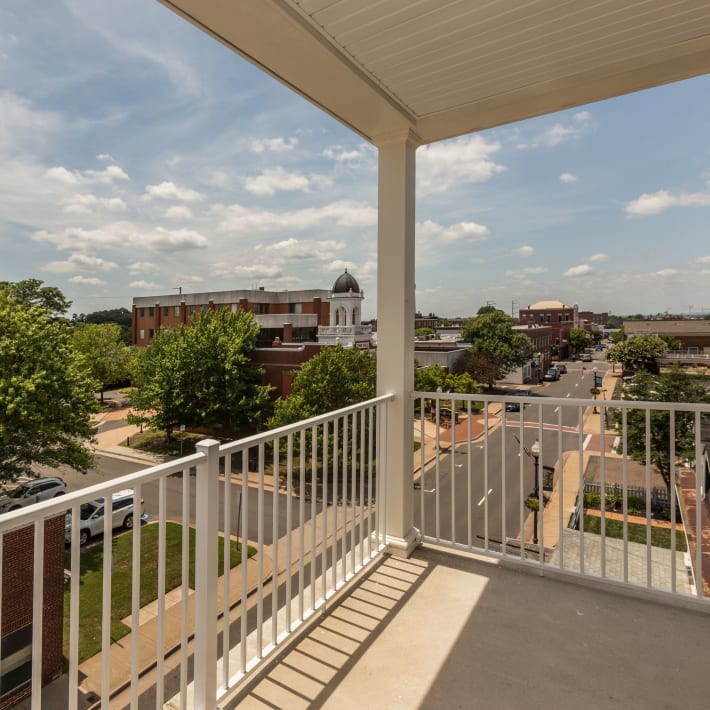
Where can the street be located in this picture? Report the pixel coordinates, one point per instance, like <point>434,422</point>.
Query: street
<point>454,506</point>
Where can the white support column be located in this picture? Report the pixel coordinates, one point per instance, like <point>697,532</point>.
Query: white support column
<point>395,329</point>
<point>206,528</point>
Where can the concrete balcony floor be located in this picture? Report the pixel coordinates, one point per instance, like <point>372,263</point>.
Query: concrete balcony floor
<point>442,630</point>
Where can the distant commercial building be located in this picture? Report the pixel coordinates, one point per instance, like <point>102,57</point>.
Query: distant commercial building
<point>541,346</point>
<point>692,333</point>
<point>558,316</point>
<point>294,325</point>
<point>595,320</point>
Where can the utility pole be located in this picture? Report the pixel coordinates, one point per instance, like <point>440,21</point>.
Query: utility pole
<point>178,289</point>
<point>513,304</point>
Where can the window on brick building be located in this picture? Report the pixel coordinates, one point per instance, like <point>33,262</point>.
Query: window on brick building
<point>166,310</point>
<point>261,308</point>
<point>151,333</point>
<point>141,334</point>
<point>177,310</point>
<point>141,312</point>
<point>151,311</point>
<point>16,652</point>
<point>294,307</point>
<point>192,309</point>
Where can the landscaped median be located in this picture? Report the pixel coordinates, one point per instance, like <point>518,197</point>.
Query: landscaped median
<point>91,581</point>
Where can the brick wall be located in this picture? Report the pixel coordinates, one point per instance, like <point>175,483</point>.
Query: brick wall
<point>17,596</point>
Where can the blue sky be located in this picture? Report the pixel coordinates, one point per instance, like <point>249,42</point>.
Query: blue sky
<point>139,155</point>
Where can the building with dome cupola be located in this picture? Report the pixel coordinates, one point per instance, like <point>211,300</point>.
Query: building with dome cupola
<point>345,326</point>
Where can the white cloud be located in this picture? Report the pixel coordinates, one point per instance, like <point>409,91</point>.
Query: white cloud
<point>703,260</point>
<point>143,267</point>
<point>662,200</point>
<point>458,232</point>
<point>527,271</point>
<point>82,204</point>
<point>105,157</point>
<point>274,145</point>
<point>568,178</point>
<point>188,278</point>
<point>301,250</point>
<point>80,262</point>
<point>107,176</point>
<point>524,251</point>
<point>343,213</point>
<point>555,135</point>
<point>351,157</point>
<point>178,212</point>
<point>86,281</point>
<point>253,271</point>
<point>663,273</point>
<point>271,180</point>
<point>145,285</point>
<point>441,166</point>
<point>582,116</point>
<point>167,190</point>
<point>599,257</point>
<point>121,235</point>
<point>581,270</point>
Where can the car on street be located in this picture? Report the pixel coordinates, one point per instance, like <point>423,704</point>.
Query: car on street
<point>32,491</point>
<point>552,375</point>
<point>562,368</point>
<point>91,516</point>
<point>586,357</point>
<point>515,406</point>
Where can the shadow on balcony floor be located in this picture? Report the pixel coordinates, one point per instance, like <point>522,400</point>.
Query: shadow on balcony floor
<point>442,630</point>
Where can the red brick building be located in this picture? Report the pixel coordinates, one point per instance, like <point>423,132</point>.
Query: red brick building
<point>558,316</point>
<point>303,311</point>
<point>17,600</point>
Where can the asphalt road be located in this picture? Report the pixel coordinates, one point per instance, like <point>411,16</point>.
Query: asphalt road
<point>475,490</point>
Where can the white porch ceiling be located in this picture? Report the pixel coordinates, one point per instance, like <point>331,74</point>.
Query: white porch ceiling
<point>447,67</point>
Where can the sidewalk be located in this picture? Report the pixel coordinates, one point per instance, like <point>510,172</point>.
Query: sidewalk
<point>121,651</point>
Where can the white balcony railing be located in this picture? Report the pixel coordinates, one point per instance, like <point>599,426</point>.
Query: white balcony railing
<point>321,527</point>
<point>475,480</point>
<point>313,533</point>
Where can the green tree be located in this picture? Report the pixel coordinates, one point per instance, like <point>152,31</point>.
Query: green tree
<point>672,386</point>
<point>639,353</point>
<point>429,379</point>
<point>579,339</point>
<point>614,322</point>
<point>201,375</point>
<point>492,334</point>
<point>104,352</point>
<point>46,392</point>
<point>419,332</point>
<point>671,342</point>
<point>488,308</point>
<point>333,379</point>
<point>480,366</point>
<point>30,292</point>
<point>119,316</point>
<point>618,337</point>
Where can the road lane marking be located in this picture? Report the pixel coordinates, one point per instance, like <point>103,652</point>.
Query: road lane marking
<point>557,409</point>
<point>568,394</point>
<point>480,502</point>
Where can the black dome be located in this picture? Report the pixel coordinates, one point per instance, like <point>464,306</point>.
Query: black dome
<point>345,283</point>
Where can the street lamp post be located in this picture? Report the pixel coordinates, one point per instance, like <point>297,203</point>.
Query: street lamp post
<point>535,451</point>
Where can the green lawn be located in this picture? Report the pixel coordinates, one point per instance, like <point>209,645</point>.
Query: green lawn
<point>90,589</point>
<point>660,537</point>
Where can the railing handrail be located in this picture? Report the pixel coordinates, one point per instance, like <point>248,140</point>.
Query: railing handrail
<point>60,504</point>
<point>569,401</point>
<point>271,434</point>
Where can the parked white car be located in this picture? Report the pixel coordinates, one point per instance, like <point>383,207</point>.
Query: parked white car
<point>32,491</point>
<point>92,516</point>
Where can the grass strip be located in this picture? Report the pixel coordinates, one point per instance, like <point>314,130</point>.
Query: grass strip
<point>91,581</point>
<point>660,537</point>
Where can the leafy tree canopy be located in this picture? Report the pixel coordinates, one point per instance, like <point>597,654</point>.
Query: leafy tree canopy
<point>492,334</point>
<point>672,386</point>
<point>201,375</point>
<point>480,366</point>
<point>618,337</point>
<point>104,352</point>
<point>429,379</point>
<point>335,378</point>
<point>615,322</point>
<point>31,292</point>
<point>119,316</point>
<point>46,392</point>
<point>579,339</point>
<point>423,331</point>
<point>639,353</point>
<point>488,308</point>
